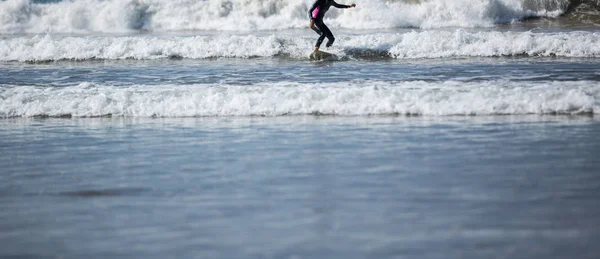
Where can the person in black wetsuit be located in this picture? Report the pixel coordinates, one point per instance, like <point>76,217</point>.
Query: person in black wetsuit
<point>316,13</point>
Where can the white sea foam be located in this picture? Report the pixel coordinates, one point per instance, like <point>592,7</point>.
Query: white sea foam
<point>430,44</point>
<point>82,16</point>
<point>82,48</point>
<point>290,98</point>
<point>423,44</point>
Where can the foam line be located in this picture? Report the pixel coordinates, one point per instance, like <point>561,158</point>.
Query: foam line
<point>288,98</point>
<point>117,16</point>
<point>411,45</point>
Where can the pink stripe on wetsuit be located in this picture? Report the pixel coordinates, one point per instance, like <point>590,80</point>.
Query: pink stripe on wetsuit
<point>315,13</point>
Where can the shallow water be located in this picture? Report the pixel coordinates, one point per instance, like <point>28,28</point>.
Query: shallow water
<point>248,72</point>
<point>301,187</point>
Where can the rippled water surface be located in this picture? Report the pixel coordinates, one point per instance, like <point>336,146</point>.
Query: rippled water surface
<point>247,72</point>
<point>301,187</point>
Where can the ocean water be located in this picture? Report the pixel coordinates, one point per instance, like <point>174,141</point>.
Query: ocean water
<point>200,129</point>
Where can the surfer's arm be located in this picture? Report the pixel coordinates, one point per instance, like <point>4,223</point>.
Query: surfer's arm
<point>342,5</point>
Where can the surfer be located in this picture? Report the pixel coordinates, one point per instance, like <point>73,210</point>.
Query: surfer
<point>316,13</point>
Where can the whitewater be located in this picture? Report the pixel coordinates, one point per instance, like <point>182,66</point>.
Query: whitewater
<point>409,45</point>
<point>118,16</point>
<point>345,99</point>
<point>91,58</point>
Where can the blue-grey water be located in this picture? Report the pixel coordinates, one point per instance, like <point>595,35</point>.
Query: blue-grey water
<point>301,187</point>
<point>201,129</point>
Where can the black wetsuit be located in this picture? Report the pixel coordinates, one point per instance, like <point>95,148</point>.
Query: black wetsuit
<point>316,13</point>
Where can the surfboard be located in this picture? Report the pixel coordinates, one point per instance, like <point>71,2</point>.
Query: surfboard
<point>322,55</point>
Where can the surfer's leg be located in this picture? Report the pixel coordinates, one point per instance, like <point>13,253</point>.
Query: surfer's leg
<point>328,34</point>
<point>320,40</point>
<point>316,30</point>
<point>321,27</point>
<point>314,27</point>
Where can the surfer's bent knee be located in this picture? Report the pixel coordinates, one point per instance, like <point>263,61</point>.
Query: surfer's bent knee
<point>330,41</point>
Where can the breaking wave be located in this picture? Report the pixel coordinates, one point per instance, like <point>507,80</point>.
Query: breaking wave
<point>290,98</point>
<point>410,45</point>
<point>117,16</point>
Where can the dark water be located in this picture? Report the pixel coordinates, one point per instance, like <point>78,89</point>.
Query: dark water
<point>248,72</point>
